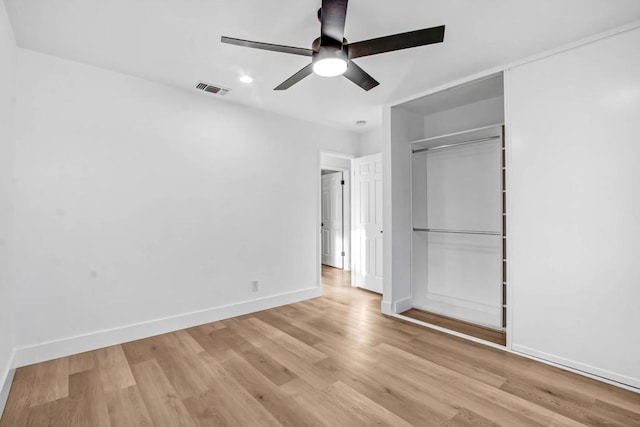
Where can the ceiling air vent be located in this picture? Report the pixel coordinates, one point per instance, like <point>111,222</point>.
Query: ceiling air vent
<point>212,88</point>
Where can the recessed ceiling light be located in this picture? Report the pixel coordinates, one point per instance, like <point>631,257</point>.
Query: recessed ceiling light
<point>246,78</point>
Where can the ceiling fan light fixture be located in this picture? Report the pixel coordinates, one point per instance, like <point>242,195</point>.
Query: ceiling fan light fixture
<point>329,61</point>
<point>331,54</point>
<point>330,67</point>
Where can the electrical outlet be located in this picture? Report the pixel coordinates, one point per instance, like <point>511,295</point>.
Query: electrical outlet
<point>255,285</point>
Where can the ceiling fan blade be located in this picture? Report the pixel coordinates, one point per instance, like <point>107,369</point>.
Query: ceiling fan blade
<point>360,77</point>
<point>268,46</point>
<point>332,18</point>
<point>396,42</point>
<point>295,78</point>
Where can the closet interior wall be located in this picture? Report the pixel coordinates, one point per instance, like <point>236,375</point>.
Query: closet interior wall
<point>458,251</point>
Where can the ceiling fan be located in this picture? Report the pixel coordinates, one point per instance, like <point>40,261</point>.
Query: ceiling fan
<point>331,54</point>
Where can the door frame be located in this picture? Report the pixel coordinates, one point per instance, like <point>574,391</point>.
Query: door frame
<point>347,203</point>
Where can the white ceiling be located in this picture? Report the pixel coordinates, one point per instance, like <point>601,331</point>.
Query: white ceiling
<point>177,42</point>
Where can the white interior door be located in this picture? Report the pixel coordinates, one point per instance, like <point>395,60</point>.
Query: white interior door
<point>332,220</point>
<point>367,249</point>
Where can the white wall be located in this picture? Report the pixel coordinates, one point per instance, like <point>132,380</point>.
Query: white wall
<point>400,126</point>
<point>471,116</point>
<point>327,161</point>
<point>370,142</point>
<point>138,201</point>
<point>574,207</point>
<point>7,142</point>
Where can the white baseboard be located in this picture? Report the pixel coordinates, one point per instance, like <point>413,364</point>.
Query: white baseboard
<point>78,344</point>
<point>591,371</point>
<point>5,381</point>
<point>385,307</point>
<point>403,305</point>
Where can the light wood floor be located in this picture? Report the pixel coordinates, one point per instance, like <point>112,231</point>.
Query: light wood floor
<point>467,328</point>
<point>331,361</point>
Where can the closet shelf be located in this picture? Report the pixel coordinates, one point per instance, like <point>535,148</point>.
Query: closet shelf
<point>484,133</point>
<point>442,230</point>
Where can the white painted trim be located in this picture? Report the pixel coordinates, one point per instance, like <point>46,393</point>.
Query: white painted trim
<point>99,339</point>
<point>338,154</point>
<point>628,384</point>
<point>403,305</point>
<point>581,368</point>
<point>6,380</point>
<point>493,70</point>
<point>318,229</point>
<point>506,76</point>
<point>385,308</point>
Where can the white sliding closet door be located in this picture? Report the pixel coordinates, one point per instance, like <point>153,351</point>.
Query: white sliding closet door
<point>460,259</point>
<point>575,207</point>
<point>368,222</point>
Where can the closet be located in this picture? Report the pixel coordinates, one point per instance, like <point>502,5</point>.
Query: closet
<point>458,209</point>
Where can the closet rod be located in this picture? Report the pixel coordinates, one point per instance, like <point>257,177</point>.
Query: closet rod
<point>439,147</point>
<point>441,230</point>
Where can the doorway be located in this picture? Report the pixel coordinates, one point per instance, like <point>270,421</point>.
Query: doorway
<point>332,225</point>
<point>335,212</point>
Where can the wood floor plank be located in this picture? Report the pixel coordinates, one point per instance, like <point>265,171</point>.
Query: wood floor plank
<point>275,400</point>
<point>304,370</point>
<point>127,409</point>
<point>286,341</point>
<point>467,418</point>
<point>160,398</point>
<point>577,407</point>
<point>218,341</point>
<point>418,405</point>
<point>186,343</point>
<point>87,405</point>
<point>269,367</point>
<point>470,367</point>
<point>50,414</point>
<point>334,360</point>
<point>144,349</point>
<point>319,406</point>
<point>52,381</point>
<point>114,369</point>
<point>288,328</point>
<point>182,371</point>
<point>476,390</point>
<point>369,412</point>
<point>244,330</point>
<point>16,409</point>
<point>236,404</point>
<point>82,362</point>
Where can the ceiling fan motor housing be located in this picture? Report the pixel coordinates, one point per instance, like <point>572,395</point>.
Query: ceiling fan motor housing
<point>325,52</point>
